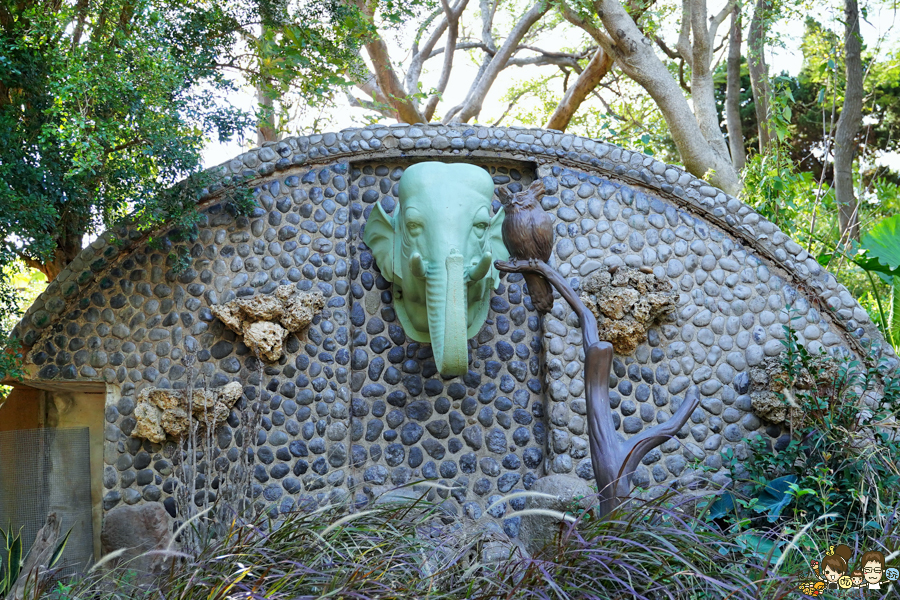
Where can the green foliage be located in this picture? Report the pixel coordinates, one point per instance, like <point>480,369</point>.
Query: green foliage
<point>771,500</point>
<point>14,558</point>
<point>412,549</point>
<point>106,106</point>
<point>9,575</point>
<point>631,120</point>
<point>82,148</point>
<point>882,248</point>
<point>842,454</point>
<point>774,187</point>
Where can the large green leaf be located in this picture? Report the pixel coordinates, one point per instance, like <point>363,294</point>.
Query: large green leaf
<point>760,546</point>
<point>775,496</point>
<point>14,560</point>
<point>882,246</point>
<point>60,548</point>
<point>724,505</point>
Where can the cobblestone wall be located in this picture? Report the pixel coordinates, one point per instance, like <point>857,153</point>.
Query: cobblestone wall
<point>355,404</point>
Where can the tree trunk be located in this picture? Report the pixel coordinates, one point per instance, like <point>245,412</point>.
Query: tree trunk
<point>702,88</point>
<point>634,54</point>
<point>759,72</point>
<point>266,129</point>
<point>848,125</point>
<point>63,254</point>
<point>590,78</point>
<point>733,93</point>
<point>385,76</point>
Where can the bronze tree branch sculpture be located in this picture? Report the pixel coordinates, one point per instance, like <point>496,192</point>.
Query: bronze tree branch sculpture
<point>614,461</point>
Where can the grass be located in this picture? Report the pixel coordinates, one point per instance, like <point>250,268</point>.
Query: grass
<point>648,550</point>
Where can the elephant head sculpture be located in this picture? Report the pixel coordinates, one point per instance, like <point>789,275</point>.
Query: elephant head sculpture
<point>438,250</point>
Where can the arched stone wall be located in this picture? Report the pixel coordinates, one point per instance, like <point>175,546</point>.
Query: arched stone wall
<point>355,403</point>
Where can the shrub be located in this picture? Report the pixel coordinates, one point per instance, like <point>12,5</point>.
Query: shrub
<point>843,451</point>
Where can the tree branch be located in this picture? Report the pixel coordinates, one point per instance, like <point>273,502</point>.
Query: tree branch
<point>452,19</point>
<point>81,11</point>
<point>733,92</point>
<point>387,79</point>
<point>673,54</point>
<point>487,24</point>
<point>593,73</point>
<point>683,45</point>
<point>570,15</point>
<point>463,46</point>
<point>479,90</point>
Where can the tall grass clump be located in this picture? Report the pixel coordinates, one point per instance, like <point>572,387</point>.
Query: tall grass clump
<point>389,551</point>
<point>646,550</point>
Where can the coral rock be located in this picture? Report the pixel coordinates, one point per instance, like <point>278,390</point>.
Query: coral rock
<point>230,393</point>
<point>265,339</point>
<point>163,399</point>
<point>299,309</point>
<point>767,405</point>
<point>265,321</point>
<point>149,425</point>
<point>176,421</point>
<point>626,303</point>
<point>161,412</point>
<point>774,390</point>
<point>229,313</point>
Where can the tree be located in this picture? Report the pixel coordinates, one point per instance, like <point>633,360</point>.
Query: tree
<point>759,71</point>
<point>848,124</point>
<point>733,93</point>
<point>82,147</point>
<point>400,97</point>
<point>697,133</point>
<point>293,52</point>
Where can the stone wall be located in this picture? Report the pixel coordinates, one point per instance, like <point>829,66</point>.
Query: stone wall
<point>355,404</point>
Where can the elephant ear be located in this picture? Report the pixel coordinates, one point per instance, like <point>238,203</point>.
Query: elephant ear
<point>379,237</point>
<point>496,245</point>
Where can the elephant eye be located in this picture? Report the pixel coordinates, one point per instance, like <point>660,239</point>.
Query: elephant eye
<point>414,228</point>
<point>480,227</point>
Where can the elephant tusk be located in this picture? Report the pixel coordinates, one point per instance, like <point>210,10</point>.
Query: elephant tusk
<point>478,272</point>
<point>417,265</point>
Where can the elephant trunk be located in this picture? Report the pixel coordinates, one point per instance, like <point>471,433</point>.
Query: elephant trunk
<point>445,297</point>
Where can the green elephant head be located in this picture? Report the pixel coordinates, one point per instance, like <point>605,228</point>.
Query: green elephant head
<point>438,251</point>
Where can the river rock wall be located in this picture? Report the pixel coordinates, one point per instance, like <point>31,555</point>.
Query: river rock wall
<point>353,404</point>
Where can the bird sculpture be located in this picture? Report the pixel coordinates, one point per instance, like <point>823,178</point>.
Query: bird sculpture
<point>528,235</point>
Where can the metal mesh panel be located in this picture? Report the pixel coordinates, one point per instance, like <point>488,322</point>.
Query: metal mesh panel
<point>43,471</point>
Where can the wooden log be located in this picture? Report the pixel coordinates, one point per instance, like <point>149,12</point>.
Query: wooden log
<point>35,570</point>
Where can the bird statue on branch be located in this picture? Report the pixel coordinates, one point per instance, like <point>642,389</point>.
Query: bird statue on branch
<point>528,235</point>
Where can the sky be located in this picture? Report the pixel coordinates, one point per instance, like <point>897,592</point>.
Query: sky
<point>879,31</point>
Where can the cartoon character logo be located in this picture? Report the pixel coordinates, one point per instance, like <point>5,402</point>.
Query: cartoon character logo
<point>833,573</point>
<point>834,565</point>
<point>812,588</point>
<point>872,566</point>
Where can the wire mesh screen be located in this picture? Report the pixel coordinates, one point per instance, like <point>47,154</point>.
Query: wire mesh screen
<point>48,470</point>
